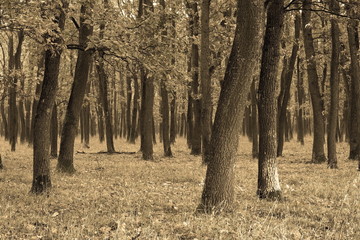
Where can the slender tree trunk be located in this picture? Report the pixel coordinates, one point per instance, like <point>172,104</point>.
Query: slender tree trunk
<point>78,89</point>
<point>196,132</point>
<point>268,178</point>
<point>128,107</point>
<point>284,99</point>
<point>173,124</point>
<point>54,132</point>
<point>300,97</point>
<point>133,133</point>
<point>41,167</point>
<point>218,193</point>
<point>334,87</point>
<point>4,120</point>
<point>254,121</point>
<point>318,154</point>
<point>165,120</point>
<point>12,112</point>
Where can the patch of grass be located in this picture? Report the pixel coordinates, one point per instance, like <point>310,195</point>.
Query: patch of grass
<point>123,197</point>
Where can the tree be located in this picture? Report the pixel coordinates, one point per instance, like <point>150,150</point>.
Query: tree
<point>41,162</point>
<point>205,77</point>
<point>66,154</point>
<point>284,95</point>
<point>103,89</point>
<point>353,42</point>
<point>318,154</point>
<point>334,87</point>
<point>268,178</point>
<point>218,192</point>
<point>254,121</point>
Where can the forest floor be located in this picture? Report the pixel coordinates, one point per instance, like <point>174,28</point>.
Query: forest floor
<point>121,196</point>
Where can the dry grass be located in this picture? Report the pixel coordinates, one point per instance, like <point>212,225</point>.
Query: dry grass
<point>124,197</point>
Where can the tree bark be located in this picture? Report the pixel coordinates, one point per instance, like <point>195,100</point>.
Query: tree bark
<point>165,120</point>
<point>134,124</point>
<point>353,42</point>
<point>285,97</point>
<point>12,113</point>
<point>218,193</point>
<point>66,154</point>
<point>268,178</point>
<point>300,98</point>
<point>334,87</point>
<point>254,121</point>
<point>54,132</point>
<point>128,106</point>
<point>173,124</point>
<point>205,77</point>
<point>41,164</point>
<point>318,155</point>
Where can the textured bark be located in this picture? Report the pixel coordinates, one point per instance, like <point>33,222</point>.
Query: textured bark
<point>4,120</point>
<point>218,193</point>
<point>173,124</point>
<point>318,154</point>
<point>54,132</point>
<point>128,107</point>
<point>284,98</point>
<point>12,112</point>
<point>268,178</point>
<point>134,124</point>
<point>66,154</point>
<point>205,77</point>
<point>334,87</point>
<point>353,42</point>
<point>196,132</point>
<point>165,120</point>
<point>254,121</point>
<point>41,167</point>
<point>37,95</point>
<point>300,100</point>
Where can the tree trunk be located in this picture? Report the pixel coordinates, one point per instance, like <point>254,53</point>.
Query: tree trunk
<point>218,193</point>
<point>318,155</point>
<point>165,120</point>
<point>284,98</point>
<point>173,124</point>
<point>334,87</point>
<point>41,168</point>
<point>128,107</point>
<point>254,121</point>
<point>196,132</point>
<point>205,77</point>
<point>12,113</point>
<point>54,132</point>
<point>268,178</point>
<point>78,89</point>
<point>353,41</point>
<point>300,98</point>
<point>133,133</point>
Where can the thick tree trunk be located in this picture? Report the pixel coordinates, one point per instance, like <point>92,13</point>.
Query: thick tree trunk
<point>189,117</point>
<point>318,155</point>
<point>334,88</point>
<point>205,77</point>
<point>268,178</point>
<point>66,154</point>
<point>285,97</point>
<point>353,41</point>
<point>147,119</point>
<point>4,120</point>
<point>218,193</point>
<point>41,168</point>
